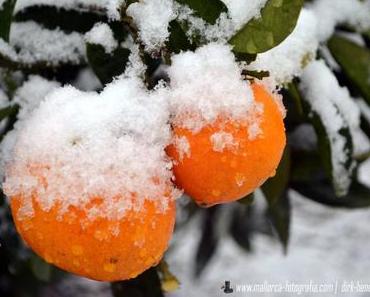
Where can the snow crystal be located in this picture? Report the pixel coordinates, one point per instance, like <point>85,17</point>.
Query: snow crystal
<point>333,103</point>
<point>31,93</point>
<point>110,6</point>
<point>102,34</point>
<point>205,85</point>
<point>37,44</point>
<point>288,59</point>
<point>182,146</point>
<point>364,173</point>
<point>89,145</point>
<point>223,140</point>
<point>331,13</point>
<point>152,18</point>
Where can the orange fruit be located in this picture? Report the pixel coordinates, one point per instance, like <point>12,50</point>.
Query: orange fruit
<point>101,249</point>
<point>211,176</point>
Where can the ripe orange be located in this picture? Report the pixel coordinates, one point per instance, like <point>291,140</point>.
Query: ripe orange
<point>101,249</point>
<point>216,176</point>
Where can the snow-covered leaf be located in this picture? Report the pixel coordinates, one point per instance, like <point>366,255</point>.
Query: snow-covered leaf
<point>278,19</point>
<point>146,284</point>
<point>209,10</point>
<point>6,14</point>
<point>355,62</point>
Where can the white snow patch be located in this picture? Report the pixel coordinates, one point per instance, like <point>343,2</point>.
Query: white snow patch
<point>206,85</point>
<point>364,173</point>
<point>152,18</point>
<point>182,146</point>
<point>4,100</point>
<point>331,13</point>
<point>37,44</point>
<point>87,81</point>
<point>7,51</point>
<point>102,34</point>
<point>223,140</point>
<point>88,145</point>
<point>31,93</point>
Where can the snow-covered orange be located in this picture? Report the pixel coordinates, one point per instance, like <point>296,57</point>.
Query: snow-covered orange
<point>102,249</point>
<point>211,175</point>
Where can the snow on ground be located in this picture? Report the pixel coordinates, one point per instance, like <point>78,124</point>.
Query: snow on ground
<point>326,245</point>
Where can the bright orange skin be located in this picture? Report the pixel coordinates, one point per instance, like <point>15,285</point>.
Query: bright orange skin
<point>93,251</point>
<point>212,177</point>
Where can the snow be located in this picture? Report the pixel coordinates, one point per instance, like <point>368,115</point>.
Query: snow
<point>364,173</point>
<point>87,81</point>
<point>31,93</point>
<point>337,250</point>
<point>2,3</point>
<point>37,44</point>
<point>223,140</point>
<point>102,34</point>
<point>108,145</point>
<point>336,110</point>
<point>4,100</point>
<point>241,12</point>
<point>7,51</point>
<point>331,13</point>
<point>110,6</point>
<point>205,85</point>
<point>182,147</point>
<point>152,18</point>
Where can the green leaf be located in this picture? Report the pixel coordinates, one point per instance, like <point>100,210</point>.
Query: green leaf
<point>247,200</point>
<point>8,111</point>
<point>208,10</point>
<point>321,191</point>
<point>178,41</point>
<point>240,226</point>
<point>6,15</point>
<point>275,191</point>
<point>40,269</point>
<point>144,285</point>
<point>278,19</point>
<point>209,240</point>
<point>107,66</point>
<point>355,62</point>
<point>68,20</point>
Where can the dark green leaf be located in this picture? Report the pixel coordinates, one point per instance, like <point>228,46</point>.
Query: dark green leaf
<point>68,20</point>
<point>275,191</point>
<point>178,41</point>
<point>8,111</point>
<point>322,192</point>
<point>355,62</point>
<point>144,285</point>
<point>107,66</point>
<point>278,19</point>
<point>247,200</point>
<point>40,269</point>
<point>279,215</point>
<point>208,10</point>
<point>209,239</point>
<point>6,15</point>
<point>240,227</point>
